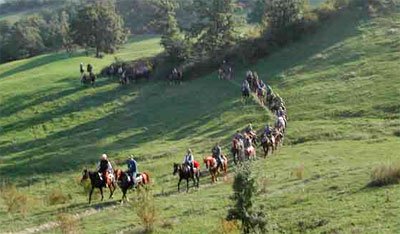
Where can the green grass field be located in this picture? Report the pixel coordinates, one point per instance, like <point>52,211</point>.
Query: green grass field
<point>342,93</point>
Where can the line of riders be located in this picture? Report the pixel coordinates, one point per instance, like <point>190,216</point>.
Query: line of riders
<point>243,146</point>
<point>126,73</point>
<point>271,137</point>
<point>89,78</point>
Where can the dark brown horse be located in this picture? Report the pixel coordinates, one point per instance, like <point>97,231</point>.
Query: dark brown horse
<point>267,143</point>
<point>88,79</point>
<point>125,183</point>
<point>186,174</point>
<point>97,182</point>
<point>176,76</point>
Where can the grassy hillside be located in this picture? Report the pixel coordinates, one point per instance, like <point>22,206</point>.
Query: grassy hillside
<point>341,90</point>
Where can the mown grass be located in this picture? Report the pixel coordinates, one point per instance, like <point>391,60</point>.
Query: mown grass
<point>342,125</point>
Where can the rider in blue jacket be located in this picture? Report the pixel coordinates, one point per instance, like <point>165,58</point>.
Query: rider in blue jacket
<point>132,168</point>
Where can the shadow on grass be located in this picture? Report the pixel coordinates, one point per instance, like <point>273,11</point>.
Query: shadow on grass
<point>37,62</point>
<point>148,116</point>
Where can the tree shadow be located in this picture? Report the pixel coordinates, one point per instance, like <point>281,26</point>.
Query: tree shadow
<point>148,117</point>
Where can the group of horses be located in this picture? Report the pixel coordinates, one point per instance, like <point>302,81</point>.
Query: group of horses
<point>185,172</point>
<point>119,178</point>
<point>128,73</point>
<point>240,151</point>
<point>276,105</point>
<point>88,78</point>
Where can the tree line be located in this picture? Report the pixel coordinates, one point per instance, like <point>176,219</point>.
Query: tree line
<point>192,30</point>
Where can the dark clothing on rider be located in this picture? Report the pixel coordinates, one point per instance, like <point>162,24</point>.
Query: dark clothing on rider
<point>132,169</point>
<point>81,68</point>
<point>247,142</point>
<point>238,136</point>
<point>216,153</point>
<point>89,68</point>
<point>103,166</point>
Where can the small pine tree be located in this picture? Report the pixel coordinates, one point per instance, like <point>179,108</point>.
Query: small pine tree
<point>244,188</point>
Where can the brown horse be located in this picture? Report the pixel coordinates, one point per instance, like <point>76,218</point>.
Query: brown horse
<point>211,165</point>
<point>267,143</point>
<point>278,135</point>
<point>125,183</point>
<point>97,182</point>
<point>261,96</point>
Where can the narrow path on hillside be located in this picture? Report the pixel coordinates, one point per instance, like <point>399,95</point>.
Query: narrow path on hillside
<point>113,205</point>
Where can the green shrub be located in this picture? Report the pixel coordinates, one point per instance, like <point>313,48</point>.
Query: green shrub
<point>146,209</point>
<point>56,196</point>
<point>14,200</point>
<point>298,172</point>
<point>68,223</point>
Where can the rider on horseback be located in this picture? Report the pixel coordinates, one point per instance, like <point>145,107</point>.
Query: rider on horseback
<point>245,86</point>
<point>217,154</point>
<point>81,69</point>
<point>89,68</point>
<point>249,130</point>
<point>268,131</point>
<point>189,160</point>
<point>104,168</point>
<point>132,169</point>
<point>238,135</point>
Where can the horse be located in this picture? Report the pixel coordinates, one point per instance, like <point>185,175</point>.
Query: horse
<point>245,93</point>
<point>88,79</point>
<point>253,137</point>
<point>176,76</point>
<point>225,74</point>
<point>211,165</point>
<point>278,135</point>
<point>267,143</point>
<point>237,151</point>
<point>250,153</point>
<point>280,124</point>
<point>125,183</point>
<point>186,174</point>
<point>97,182</point>
<point>261,95</point>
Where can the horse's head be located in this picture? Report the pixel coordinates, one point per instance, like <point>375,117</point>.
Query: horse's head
<point>176,168</point>
<point>85,175</point>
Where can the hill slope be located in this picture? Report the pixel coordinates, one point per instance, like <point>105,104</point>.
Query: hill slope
<point>342,94</point>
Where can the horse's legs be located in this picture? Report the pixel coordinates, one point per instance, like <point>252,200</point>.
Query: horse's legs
<point>90,194</point>
<point>124,193</point>
<point>187,185</point>
<point>101,192</point>
<point>112,189</point>
<point>179,183</point>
